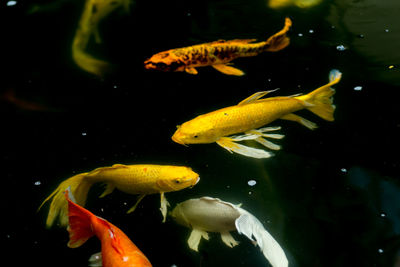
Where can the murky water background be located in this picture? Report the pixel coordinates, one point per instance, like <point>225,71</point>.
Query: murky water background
<point>330,196</point>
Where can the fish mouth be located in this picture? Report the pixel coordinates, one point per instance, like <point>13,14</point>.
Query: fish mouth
<point>197,180</point>
<point>176,140</point>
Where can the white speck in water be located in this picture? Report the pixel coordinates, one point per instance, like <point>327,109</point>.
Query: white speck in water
<point>11,3</point>
<point>333,27</point>
<point>84,134</point>
<point>228,186</point>
<point>115,86</point>
<point>250,192</point>
<point>300,34</point>
<point>311,31</point>
<point>188,14</point>
<point>383,215</point>
<point>380,251</point>
<point>340,48</point>
<point>386,30</point>
<point>174,265</point>
<point>37,183</point>
<point>251,182</point>
<point>344,170</point>
<point>358,88</point>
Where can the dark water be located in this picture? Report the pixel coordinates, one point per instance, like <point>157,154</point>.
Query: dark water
<point>331,197</point>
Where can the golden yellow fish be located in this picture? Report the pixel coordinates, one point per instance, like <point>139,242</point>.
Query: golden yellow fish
<point>277,4</point>
<point>141,179</point>
<point>253,113</point>
<point>217,54</point>
<point>94,11</point>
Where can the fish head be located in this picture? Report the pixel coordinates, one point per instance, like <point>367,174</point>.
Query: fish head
<point>178,215</point>
<point>196,131</point>
<point>164,61</point>
<point>175,178</point>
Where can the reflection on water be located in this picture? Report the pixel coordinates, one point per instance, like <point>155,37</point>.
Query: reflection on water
<point>329,197</point>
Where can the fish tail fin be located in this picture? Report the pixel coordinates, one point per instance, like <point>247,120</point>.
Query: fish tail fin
<point>251,227</point>
<point>279,40</point>
<point>320,101</point>
<point>58,206</point>
<point>80,225</point>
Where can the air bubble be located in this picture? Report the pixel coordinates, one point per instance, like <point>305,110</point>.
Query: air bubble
<point>11,3</point>
<point>383,215</point>
<point>251,182</point>
<point>300,34</point>
<point>344,170</point>
<point>340,48</point>
<point>37,183</point>
<point>358,88</point>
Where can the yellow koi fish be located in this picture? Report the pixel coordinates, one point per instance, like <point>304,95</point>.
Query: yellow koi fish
<point>253,113</point>
<point>277,4</point>
<point>94,11</point>
<point>132,179</point>
<point>217,54</point>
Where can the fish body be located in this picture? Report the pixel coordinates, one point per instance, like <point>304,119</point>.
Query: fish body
<point>142,179</point>
<point>253,113</point>
<point>216,54</point>
<point>116,248</point>
<point>207,214</point>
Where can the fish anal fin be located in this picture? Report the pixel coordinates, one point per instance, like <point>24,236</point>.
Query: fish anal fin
<point>191,70</point>
<point>136,204</point>
<point>228,239</point>
<point>164,206</point>
<point>254,97</point>
<point>96,260</point>
<point>231,146</point>
<point>293,117</point>
<point>109,189</point>
<point>228,70</point>
<point>195,237</point>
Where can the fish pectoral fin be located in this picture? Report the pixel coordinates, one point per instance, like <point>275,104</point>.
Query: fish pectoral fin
<point>231,146</point>
<point>136,204</point>
<point>254,97</point>
<point>96,260</point>
<point>229,70</point>
<point>293,117</point>
<point>228,239</point>
<point>267,144</point>
<point>263,132</point>
<point>195,237</point>
<point>164,206</point>
<point>109,189</point>
<point>191,70</point>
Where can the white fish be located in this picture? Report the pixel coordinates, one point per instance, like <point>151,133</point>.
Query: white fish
<point>209,214</point>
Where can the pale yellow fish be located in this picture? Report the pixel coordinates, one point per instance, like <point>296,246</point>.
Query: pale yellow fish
<point>209,214</point>
<point>141,179</point>
<point>252,113</point>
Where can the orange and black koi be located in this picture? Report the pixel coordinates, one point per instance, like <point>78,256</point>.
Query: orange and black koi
<point>217,54</point>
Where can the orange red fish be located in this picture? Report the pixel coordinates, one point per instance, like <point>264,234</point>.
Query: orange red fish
<point>116,248</point>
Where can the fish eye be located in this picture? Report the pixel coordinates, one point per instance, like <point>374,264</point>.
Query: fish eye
<point>177,181</point>
<point>196,136</point>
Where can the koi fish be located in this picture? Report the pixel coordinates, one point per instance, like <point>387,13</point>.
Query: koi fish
<point>132,179</point>
<point>94,11</point>
<point>251,114</point>
<point>23,104</point>
<point>116,248</point>
<point>207,214</point>
<point>217,54</point>
<point>277,4</point>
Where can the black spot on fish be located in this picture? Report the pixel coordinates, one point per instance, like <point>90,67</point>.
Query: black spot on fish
<point>226,114</point>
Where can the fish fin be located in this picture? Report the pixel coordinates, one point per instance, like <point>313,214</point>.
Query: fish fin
<point>195,237</point>
<point>231,146</point>
<point>254,97</point>
<point>267,144</point>
<point>251,227</point>
<point>79,187</point>
<point>136,204</point>
<point>109,189</point>
<point>321,99</point>
<point>80,226</point>
<point>228,239</point>
<point>96,260</point>
<point>164,206</point>
<point>241,41</point>
<point>191,70</point>
<point>293,117</point>
<point>228,70</point>
<point>262,132</point>
<point>89,63</point>
<point>97,171</point>
<point>279,40</point>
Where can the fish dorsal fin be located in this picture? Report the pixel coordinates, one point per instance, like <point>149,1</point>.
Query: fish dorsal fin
<point>119,166</point>
<point>241,41</point>
<point>254,97</point>
<point>101,169</point>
